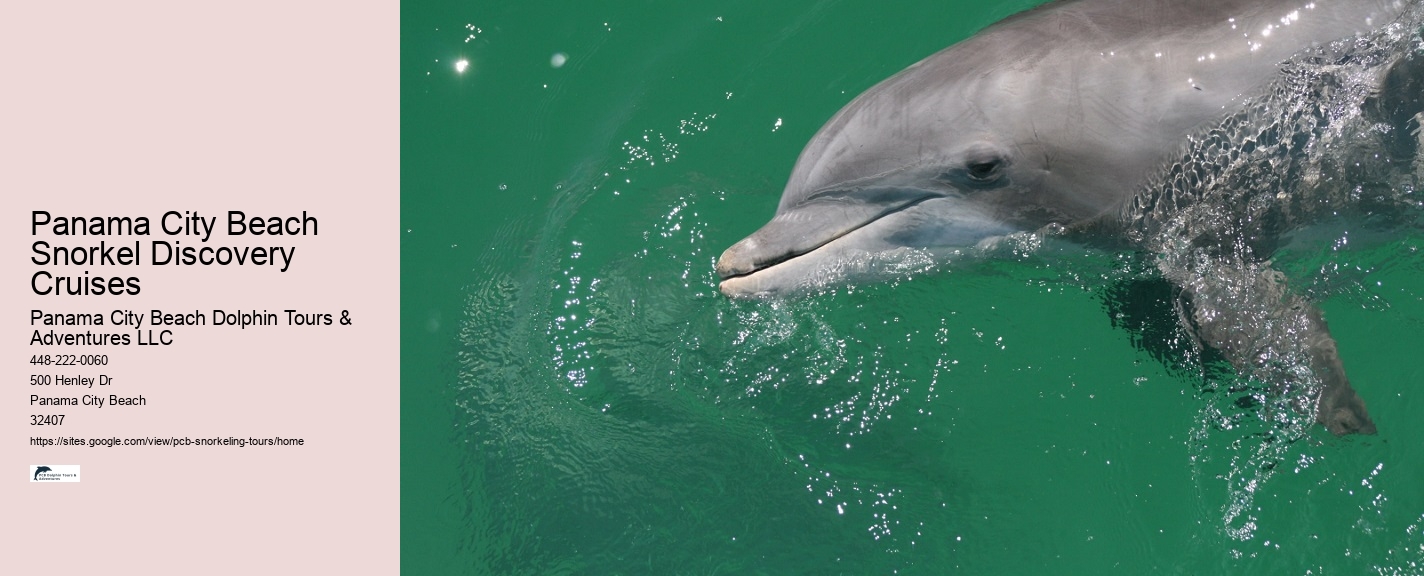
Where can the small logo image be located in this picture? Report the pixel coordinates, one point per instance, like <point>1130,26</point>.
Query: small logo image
<point>54,473</point>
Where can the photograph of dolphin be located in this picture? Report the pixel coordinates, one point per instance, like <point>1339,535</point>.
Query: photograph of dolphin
<point>1202,133</point>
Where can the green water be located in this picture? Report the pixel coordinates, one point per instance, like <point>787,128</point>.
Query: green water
<point>578,399</point>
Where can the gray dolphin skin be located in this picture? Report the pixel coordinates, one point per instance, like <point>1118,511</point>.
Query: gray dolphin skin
<point>1196,130</point>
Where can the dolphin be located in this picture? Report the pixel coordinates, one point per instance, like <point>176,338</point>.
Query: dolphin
<point>1163,125</point>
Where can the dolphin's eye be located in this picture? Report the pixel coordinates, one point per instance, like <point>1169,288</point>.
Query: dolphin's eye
<point>983,170</point>
<point>978,169</point>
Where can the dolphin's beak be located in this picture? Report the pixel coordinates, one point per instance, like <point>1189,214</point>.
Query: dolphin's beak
<point>837,235</point>
<point>804,228</point>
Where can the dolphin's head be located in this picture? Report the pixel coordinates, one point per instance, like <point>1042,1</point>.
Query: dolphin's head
<point>945,156</point>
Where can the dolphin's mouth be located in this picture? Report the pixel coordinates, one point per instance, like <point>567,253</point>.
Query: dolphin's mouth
<point>802,231</point>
